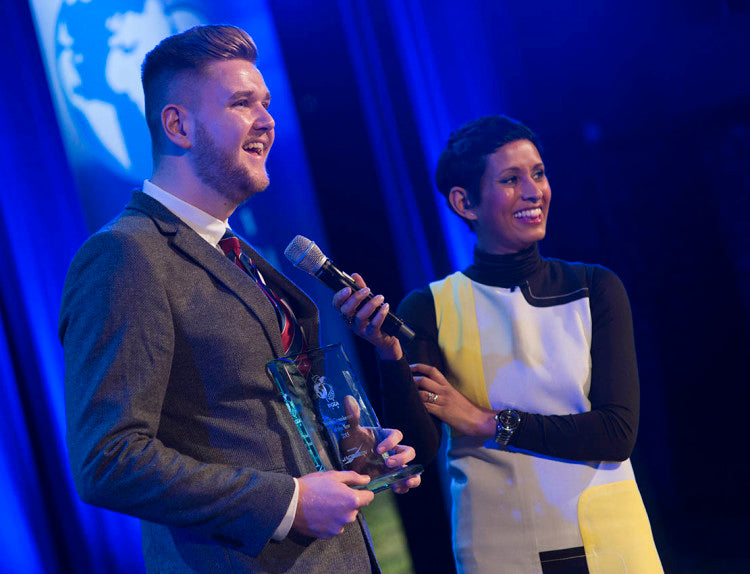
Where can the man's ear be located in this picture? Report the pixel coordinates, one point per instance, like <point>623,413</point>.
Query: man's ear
<point>459,200</point>
<point>175,121</point>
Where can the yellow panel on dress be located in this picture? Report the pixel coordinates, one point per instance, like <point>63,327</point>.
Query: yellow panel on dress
<point>615,530</point>
<point>458,337</point>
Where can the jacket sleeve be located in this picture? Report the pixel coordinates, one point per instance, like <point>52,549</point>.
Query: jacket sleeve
<point>119,335</point>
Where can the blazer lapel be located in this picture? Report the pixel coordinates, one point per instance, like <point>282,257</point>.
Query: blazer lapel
<point>305,311</point>
<point>184,239</point>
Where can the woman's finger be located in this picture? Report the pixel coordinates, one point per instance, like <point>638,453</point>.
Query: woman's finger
<point>430,397</point>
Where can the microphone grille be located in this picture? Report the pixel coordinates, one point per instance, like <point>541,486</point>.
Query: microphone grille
<point>304,254</point>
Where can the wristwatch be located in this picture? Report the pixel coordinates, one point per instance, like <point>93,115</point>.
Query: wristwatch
<point>507,423</point>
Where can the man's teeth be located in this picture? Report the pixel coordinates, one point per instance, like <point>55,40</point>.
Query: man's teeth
<point>528,213</point>
<point>254,147</point>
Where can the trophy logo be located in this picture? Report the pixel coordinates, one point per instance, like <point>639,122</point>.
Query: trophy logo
<point>348,459</point>
<point>324,391</point>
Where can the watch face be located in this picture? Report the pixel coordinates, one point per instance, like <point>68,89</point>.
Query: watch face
<point>509,419</point>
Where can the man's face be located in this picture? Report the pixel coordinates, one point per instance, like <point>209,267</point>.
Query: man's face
<point>233,130</point>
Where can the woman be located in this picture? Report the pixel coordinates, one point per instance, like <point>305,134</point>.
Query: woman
<point>531,364</point>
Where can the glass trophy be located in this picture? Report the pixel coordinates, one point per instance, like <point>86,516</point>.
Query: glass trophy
<point>334,416</point>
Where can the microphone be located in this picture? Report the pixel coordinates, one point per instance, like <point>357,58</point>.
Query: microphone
<point>305,255</point>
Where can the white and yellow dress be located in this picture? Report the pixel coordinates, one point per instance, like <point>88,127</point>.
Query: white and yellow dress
<point>554,341</point>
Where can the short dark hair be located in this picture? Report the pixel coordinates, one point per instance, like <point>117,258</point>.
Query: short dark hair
<point>188,52</point>
<point>464,159</point>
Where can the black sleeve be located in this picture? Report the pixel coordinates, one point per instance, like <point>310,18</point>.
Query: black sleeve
<point>609,430</point>
<point>402,407</point>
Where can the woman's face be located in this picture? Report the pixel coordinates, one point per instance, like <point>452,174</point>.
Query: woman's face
<point>515,196</point>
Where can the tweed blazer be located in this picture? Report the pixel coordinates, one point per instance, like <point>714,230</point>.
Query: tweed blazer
<point>171,416</point>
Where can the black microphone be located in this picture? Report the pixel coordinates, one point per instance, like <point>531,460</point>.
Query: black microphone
<point>307,256</point>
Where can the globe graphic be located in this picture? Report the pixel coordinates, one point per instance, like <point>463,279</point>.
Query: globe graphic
<point>100,45</point>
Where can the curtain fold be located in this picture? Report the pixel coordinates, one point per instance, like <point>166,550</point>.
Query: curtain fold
<point>44,527</point>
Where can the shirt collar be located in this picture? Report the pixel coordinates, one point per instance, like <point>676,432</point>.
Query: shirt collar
<point>205,225</point>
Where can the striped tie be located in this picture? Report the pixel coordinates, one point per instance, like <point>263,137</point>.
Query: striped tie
<point>292,337</point>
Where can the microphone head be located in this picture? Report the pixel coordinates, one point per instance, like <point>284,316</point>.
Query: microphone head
<point>305,255</point>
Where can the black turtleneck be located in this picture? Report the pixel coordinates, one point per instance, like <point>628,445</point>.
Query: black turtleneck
<point>607,432</point>
<point>504,270</point>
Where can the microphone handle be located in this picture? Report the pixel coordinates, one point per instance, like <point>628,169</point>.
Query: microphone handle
<point>337,280</point>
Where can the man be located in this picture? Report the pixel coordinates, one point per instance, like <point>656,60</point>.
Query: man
<point>171,416</point>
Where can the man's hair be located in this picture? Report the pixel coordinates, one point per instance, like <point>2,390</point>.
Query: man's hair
<point>464,159</point>
<point>188,53</point>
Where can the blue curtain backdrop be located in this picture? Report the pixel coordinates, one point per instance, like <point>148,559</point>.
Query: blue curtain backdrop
<point>644,111</point>
<point>43,523</point>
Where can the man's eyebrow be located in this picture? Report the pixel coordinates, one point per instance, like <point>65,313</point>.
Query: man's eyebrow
<point>250,94</point>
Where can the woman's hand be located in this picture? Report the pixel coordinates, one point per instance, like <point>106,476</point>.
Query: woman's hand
<point>366,320</point>
<point>450,406</point>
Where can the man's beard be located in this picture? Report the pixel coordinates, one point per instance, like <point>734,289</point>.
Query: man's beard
<point>221,170</point>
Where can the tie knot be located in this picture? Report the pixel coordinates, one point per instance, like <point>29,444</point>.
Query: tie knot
<point>230,244</point>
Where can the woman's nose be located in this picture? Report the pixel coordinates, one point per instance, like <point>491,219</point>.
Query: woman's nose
<point>531,191</point>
